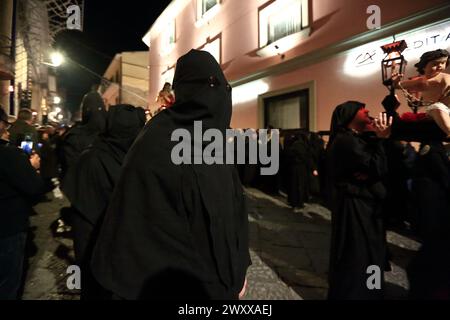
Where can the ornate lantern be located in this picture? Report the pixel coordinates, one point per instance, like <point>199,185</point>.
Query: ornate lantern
<point>394,62</point>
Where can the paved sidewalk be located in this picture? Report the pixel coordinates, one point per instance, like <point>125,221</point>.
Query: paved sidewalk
<point>296,246</point>
<point>52,255</point>
<point>289,253</point>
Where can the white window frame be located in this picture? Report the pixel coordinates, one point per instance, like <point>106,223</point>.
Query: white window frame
<point>169,38</point>
<point>210,46</point>
<point>280,7</point>
<point>205,16</point>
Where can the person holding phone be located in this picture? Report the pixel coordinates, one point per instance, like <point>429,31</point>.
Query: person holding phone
<point>20,188</point>
<point>22,132</point>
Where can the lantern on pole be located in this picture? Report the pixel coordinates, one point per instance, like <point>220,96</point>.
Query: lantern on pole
<point>393,62</point>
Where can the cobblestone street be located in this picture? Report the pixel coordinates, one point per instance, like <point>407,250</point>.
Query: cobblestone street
<point>289,253</point>
<point>296,246</point>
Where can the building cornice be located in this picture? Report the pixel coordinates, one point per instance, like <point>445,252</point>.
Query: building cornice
<point>416,21</point>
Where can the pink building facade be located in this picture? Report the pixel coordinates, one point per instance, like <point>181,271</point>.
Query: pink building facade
<point>290,62</point>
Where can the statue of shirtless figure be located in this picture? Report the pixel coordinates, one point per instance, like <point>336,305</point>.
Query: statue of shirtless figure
<point>432,86</point>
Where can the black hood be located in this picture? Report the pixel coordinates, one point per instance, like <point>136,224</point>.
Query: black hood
<point>123,124</point>
<point>91,105</point>
<point>201,91</point>
<point>89,183</point>
<point>342,116</point>
<point>186,219</point>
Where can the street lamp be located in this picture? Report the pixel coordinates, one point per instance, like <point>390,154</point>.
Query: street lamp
<point>57,59</point>
<point>56,100</point>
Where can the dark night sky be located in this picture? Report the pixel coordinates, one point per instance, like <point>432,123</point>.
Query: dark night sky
<point>109,27</point>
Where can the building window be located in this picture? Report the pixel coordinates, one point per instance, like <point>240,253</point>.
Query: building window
<point>168,37</point>
<point>214,47</point>
<point>288,111</point>
<point>167,76</point>
<point>282,18</point>
<point>203,6</point>
<point>206,10</point>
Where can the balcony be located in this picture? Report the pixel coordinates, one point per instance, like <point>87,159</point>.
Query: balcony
<point>6,59</point>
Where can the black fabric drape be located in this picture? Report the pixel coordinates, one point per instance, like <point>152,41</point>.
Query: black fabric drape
<point>90,183</point>
<point>358,235</point>
<point>356,165</point>
<point>177,231</point>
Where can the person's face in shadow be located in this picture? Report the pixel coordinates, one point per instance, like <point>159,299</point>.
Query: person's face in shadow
<point>362,121</point>
<point>4,133</point>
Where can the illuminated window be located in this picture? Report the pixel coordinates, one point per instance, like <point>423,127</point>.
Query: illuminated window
<point>213,47</point>
<point>288,111</point>
<point>203,6</point>
<point>168,38</point>
<point>282,18</point>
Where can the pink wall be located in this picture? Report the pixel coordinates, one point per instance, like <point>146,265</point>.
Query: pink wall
<point>237,22</point>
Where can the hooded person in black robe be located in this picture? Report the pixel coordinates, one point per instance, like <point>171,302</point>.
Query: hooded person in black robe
<point>429,271</point>
<point>81,135</point>
<point>356,166</point>
<point>76,140</point>
<point>299,161</point>
<point>318,159</point>
<point>177,231</point>
<point>90,183</point>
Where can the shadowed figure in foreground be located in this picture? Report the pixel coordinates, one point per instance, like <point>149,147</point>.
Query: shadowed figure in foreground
<point>172,220</point>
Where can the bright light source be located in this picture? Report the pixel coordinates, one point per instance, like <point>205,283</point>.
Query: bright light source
<point>60,116</point>
<point>57,59</point>
<point>249,91</point>
<point>11,89</point>
<point>56,100</point>
<point>58,110</point>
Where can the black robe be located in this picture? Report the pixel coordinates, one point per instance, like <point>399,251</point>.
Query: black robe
<point>91,180</point>
<point>299,160</point>
<point>356,166</point>
<point>429,271</point>
<point>79,137</point>
<point>177,231</point>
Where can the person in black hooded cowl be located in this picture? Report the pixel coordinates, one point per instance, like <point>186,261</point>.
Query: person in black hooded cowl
<point>90,183</point>
<point>177,231</point>
<point>77,139</point>
<point>300,168</point>
<point>356,166</point>
<point>429,271</point>
<point>81,135</point>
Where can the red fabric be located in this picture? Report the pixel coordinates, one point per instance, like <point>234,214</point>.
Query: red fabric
<point>411,117</point>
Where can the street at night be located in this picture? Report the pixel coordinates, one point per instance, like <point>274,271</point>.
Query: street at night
<point>195,152</point>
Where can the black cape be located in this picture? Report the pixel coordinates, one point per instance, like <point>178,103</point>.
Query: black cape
<point>356,166</point>
<point>429,271</point>
<point>90,182</point>
<point>177,231</point>
<point>299,161</point>
<point>79,137</point>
